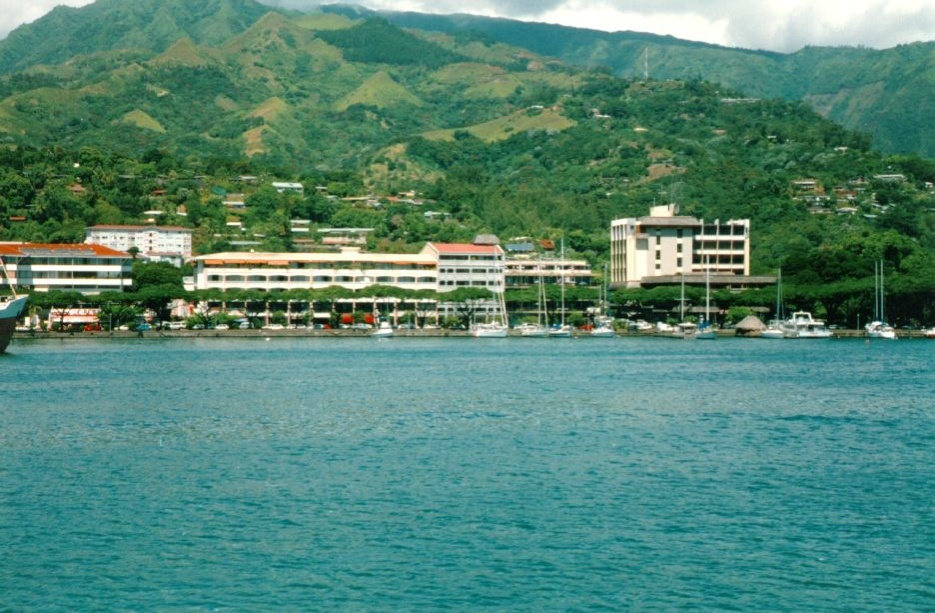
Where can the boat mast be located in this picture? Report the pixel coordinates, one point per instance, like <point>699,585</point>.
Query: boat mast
<point>882,316</point>
<point>707,291</point>
<point>682,300</point>
<point>6,274</point>
<point>562,264</point>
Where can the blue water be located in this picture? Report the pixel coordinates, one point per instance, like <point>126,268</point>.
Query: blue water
<point>464,474</point>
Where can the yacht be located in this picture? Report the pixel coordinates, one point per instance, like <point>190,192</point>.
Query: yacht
<point>11,309</point>
<point>497,326</point>
<point>561,330</point>
<point>803,325</point>
<point>878,328</point>
<point>384,330</point>
<point>774,328</point>
<point>539,329</point>
<point>604,323</point>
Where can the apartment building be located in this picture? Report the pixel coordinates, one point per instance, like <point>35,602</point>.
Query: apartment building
<point>155,243</point>
<point>89,269</point>
<point>664,247</point>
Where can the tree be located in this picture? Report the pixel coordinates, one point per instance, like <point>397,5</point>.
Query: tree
<point>156,274</point>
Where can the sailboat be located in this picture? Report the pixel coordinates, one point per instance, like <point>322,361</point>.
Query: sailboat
<point>706,331</point>
<point>774,328</point>
<point>878,328</point>
<point>562,330</point>
<point>684,329</point>
<point>11,309</point>
<point>497,326</point>
<point>605,323</point>
<point>539,329</point>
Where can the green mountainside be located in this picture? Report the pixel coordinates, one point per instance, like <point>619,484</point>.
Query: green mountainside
<point>889,94</point>
<point>486,136</point>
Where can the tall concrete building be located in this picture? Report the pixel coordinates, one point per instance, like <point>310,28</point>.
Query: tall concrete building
<point>665,247</point>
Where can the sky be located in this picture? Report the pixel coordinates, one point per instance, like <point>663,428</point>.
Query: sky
<point>776,25</point>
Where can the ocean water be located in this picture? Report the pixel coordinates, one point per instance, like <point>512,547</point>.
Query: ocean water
<point>467,475</point>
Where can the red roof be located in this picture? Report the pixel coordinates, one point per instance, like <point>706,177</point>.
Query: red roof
<point>28,249</point>
<point>466,248</point>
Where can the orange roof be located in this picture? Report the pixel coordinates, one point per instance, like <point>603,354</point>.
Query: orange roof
<point>466,248</point>
<point>27,249</point>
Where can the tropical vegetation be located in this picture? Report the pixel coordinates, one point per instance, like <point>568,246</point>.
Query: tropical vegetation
<point>433,136</point>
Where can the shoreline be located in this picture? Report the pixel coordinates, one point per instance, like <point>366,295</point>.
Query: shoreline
<point>338,333</point>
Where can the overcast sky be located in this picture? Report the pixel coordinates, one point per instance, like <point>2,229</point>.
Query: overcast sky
<point>777,25</point>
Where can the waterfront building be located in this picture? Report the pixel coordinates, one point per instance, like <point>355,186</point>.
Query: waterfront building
<point>85,268</point>
<point>526,271</point>
<point>154,243</point>
<point>439,267</point>
<point>349,268</point>
<point>462,265</point>
<point>665,247</point>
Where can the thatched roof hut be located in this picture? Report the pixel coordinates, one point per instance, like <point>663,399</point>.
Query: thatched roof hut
<point>751,325</point>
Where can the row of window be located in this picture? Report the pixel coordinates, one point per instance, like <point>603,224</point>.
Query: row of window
<point>316,279</point>
<point>345,265</point>
<point>68,261</point>
<point>24,276</point>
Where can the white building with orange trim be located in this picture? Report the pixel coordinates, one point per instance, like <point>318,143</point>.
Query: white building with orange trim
<point>349,268</point>
<point>89,269</point>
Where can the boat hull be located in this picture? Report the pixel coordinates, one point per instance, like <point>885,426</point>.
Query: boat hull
<point>10,312</point>
<point>489,330</point>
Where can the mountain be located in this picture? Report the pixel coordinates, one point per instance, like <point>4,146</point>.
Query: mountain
<point>482,136</point>
<point>144,25</point>
<point>889,94</point>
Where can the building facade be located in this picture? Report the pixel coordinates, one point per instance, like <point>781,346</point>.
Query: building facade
<point>154,243</point>
<point>527,272</point>
<point>89,269</point>
<point>439,267</point>
<point>467,265</point>
<point>350,268</point>
<point>664,247</point>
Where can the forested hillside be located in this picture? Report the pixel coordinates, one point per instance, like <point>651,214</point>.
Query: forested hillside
<point>888,94</point>
<point>428,136</point>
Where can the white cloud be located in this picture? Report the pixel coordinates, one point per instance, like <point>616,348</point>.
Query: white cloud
<point>779,25</point>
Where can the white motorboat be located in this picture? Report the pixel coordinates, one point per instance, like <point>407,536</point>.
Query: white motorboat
<point>803,325</point>
<point>384,330</point>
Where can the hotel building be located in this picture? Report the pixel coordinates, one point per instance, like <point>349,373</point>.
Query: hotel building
<point>664,247</point>
<point>89,269</point>
<point>349,268</point>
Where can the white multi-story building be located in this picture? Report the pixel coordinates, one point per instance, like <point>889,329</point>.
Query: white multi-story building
<point>526,272</point>
<point>467,265</point>
<point>154,243</point>
<point>439,267</point>
<point>666,247</point>
<point>462,265</point>
<point>89,269</point>
<point>350,268</point>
